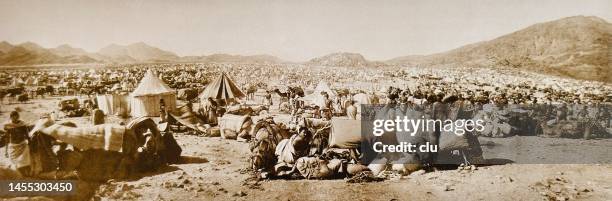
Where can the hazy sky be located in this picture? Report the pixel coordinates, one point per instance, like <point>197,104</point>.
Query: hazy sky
<point>292,30</point>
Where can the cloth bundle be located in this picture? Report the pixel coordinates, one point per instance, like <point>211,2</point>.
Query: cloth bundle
<point>105,136</point>
<point>233,123</point>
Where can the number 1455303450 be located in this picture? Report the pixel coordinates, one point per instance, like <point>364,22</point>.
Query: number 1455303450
<point>37,187</point>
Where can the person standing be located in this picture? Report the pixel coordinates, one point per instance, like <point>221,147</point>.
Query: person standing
<point>268,98</point>
<point>97,117</point>
<point>327,109</point>
<point>162,110</point>
<point>211,109</point>
<point>603,114</point>
<point>351,110</point>
<point>18,150</point>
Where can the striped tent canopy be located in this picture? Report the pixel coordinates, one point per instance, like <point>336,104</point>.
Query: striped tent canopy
<point>222,88</point>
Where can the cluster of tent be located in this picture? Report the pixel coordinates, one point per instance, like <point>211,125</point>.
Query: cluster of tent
<point>146,99</point>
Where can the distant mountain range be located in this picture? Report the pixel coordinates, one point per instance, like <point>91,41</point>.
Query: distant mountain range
<point>227,58</point>
<point>576,47</point>
<point>30,53</point>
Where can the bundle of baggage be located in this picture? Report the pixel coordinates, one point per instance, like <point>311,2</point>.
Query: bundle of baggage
<point>235,123</point>
<point>502,122</point>
<point>556,121</point>
<point>581,121</point>
<point>63,151</point>
<point>318,149</point>
<point>70,107</point>
<point>584,128</point>
<point>252,110</point>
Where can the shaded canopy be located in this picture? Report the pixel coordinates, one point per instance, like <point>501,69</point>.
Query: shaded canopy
<point>222,88</point>
<point>151,85</point>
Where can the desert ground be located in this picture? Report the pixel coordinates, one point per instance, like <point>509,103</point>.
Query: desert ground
<point>217,169</point>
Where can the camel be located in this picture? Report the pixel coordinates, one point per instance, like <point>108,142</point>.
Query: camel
<point>128,149</point>
<point>12,93</point>
<point>281,94</point>
<point>251,92</point>
<point>91,90</point>
<point>284,97</point>
<point>41,91</point>
<point>266,135</point>
<point>291,91</point>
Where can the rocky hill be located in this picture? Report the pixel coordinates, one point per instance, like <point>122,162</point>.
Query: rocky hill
<point>575,47</point>
<point>341,59</point>
<point>67,50</point>
<point>137,52</point>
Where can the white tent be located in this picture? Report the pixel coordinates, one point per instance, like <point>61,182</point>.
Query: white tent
<point>316,97</point>
<point>115,104</point>
<point>17,82</point>
<point>145,100</point>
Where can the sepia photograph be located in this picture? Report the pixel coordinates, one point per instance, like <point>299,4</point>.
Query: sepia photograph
<point>305,100</point>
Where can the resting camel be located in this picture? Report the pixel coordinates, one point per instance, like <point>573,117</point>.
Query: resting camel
<point>266,135</point>
<point>121,150</point>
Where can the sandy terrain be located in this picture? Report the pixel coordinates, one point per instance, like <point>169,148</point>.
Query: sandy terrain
<point>215,169</point>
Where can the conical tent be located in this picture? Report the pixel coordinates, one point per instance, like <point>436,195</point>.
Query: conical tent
<point>17,82</point>
<point>150,85</point>
<point>222,88</point>
<point>145,99</point>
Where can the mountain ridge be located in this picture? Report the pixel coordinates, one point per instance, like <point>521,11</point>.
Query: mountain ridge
<point>575,47</point>
<point>341,59</point>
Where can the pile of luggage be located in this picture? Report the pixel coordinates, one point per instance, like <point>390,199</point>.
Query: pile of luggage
<point>319,149</point>
<point>63,150</point>
<point>70,107</point>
